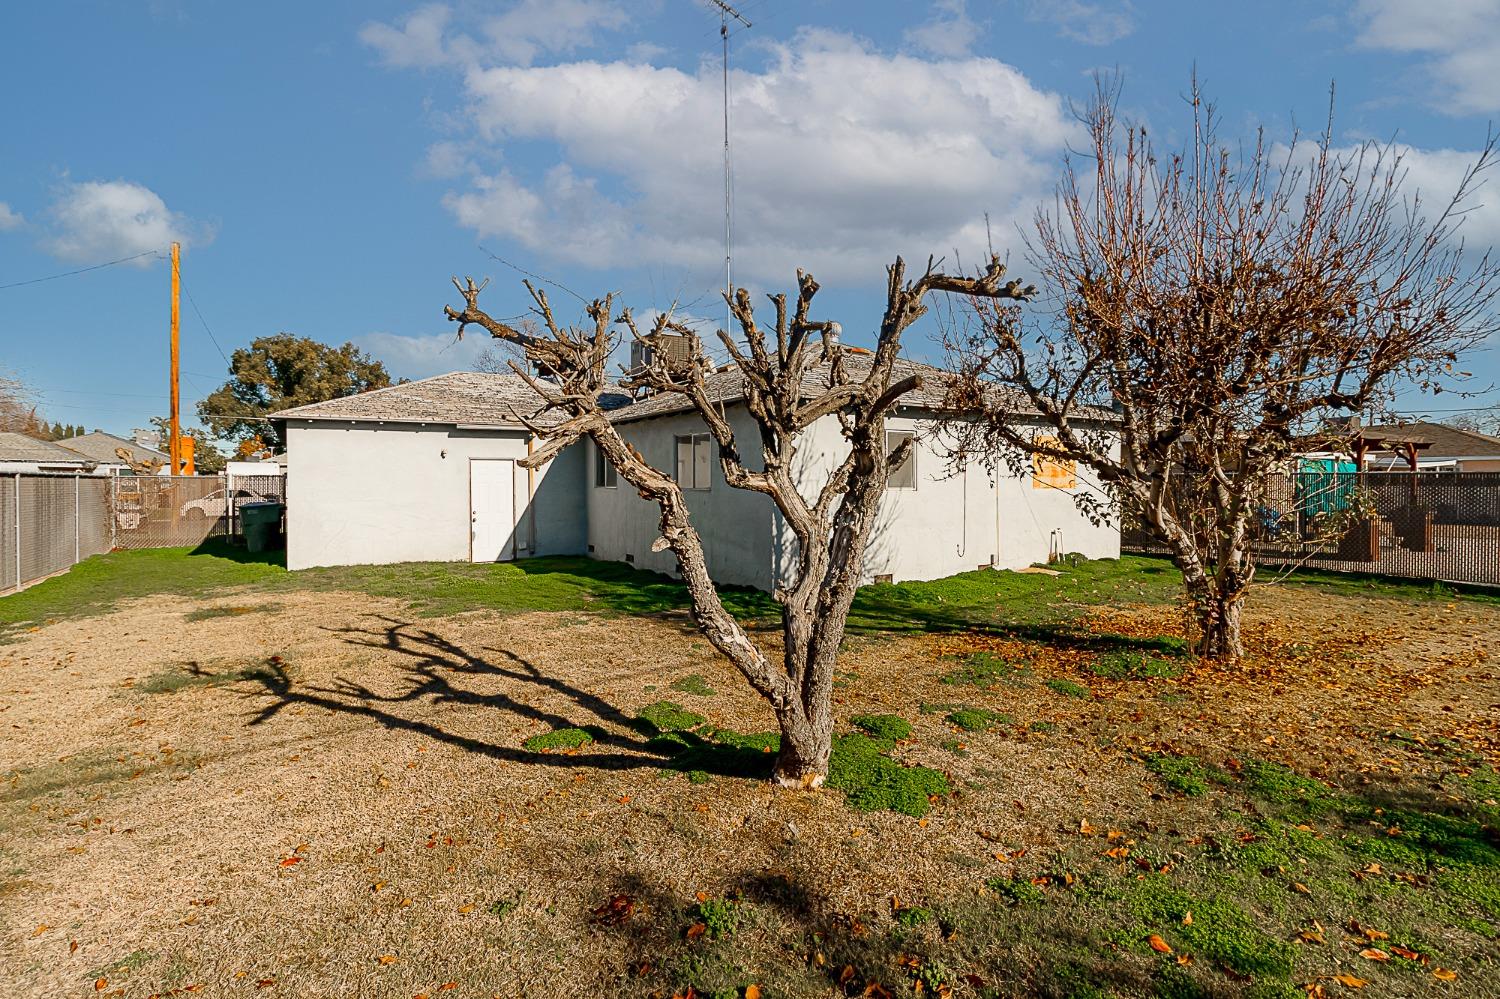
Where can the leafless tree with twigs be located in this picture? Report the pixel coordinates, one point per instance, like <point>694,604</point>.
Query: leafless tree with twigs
<point>793,375</point>
<point>1224,303</point>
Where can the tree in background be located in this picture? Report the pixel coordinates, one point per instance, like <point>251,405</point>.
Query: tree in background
<point>207,458</point>
<point>794,373</point>
<point>282,371</point>
<point>1479,421</point>
<point>1223,303</point>
<point>18,412</point>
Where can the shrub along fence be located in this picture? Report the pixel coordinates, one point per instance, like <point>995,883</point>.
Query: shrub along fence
<point>49,522</point>
<point>1424,525</point>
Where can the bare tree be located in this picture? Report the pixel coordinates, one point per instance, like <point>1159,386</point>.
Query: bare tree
<point>791,376</point>
<point>18,408</point>
<point>1224,304</point>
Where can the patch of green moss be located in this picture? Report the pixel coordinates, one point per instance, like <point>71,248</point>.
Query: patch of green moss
<point>977,719</point>
<point>194,675</point>
<point>695,685</point>
<point>1043,727</point>
<point>872,781</point>
<point>892,727</point>
<point>1132,664</point>
<point>1068,688</point>
<point>1282,785</point>
<point>1220,930</point>
<point>912,916</point>
<point>720,915</point>
<point>721,752</point>
<point>1016,891</point>
<point>985,669</point>
<point>1183,774</point>
<point>667,716</point>
<point>558,738</point>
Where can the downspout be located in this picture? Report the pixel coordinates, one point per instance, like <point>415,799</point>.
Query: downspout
<point>963,541</point>
<point>995,559</point>
<point>530,498</point>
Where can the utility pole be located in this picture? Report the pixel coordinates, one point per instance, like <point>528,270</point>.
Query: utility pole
<point>174,446</point>
<point>727,12</point>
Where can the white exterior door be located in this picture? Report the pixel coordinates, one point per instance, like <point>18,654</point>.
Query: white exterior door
<point>492,510</point>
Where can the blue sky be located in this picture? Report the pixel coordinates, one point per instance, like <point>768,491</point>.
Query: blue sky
<point>329,165</point>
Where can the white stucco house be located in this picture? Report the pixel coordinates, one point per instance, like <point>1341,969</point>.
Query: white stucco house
<point>428,471</point>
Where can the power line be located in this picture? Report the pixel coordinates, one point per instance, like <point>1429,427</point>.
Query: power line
<point>81,270</point>
<point>199,313</point>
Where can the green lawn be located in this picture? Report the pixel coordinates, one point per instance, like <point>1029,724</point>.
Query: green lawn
<point>972,599</point>
<point>979,599</point>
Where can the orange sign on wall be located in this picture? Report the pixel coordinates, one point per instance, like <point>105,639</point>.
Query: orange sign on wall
<point>1049,473</point>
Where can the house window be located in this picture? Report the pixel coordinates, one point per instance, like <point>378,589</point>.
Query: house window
<point>903,476</point>
<point>1050,473</point>
<point>693,461</point>
<point>605,476</point>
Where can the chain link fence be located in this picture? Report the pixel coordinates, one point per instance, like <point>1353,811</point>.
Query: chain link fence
<point>1424,525</point>
<point>50,522</point>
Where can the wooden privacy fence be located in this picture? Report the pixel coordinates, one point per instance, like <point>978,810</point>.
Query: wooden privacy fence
<point>49,522</point>
<point>1424,525</point>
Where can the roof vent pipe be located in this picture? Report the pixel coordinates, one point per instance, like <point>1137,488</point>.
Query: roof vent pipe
<point>832,333</point>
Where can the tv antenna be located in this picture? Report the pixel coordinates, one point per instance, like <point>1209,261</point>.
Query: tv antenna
<point>726,14</point>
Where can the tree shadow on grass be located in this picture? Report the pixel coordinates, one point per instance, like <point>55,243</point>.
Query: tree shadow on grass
<point>436,676</point>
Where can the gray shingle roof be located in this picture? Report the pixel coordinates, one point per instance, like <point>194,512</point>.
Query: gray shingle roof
<point>729,385</point>
<point>101,446</point>
<point>1447,442</point>
<point>19,447</point>
<point>463,397</point>
<point>474,398</point>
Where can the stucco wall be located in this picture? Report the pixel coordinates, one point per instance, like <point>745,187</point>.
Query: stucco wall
<point>735,525</point>
<point>364,493</point>
<point>954,523</point>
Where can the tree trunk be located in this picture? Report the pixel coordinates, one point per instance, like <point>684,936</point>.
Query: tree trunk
<point>1219,624</point>
<point>805,748</point>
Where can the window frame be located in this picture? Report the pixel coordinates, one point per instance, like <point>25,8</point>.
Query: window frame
<point>693,441</point>
<point>606,475</point>
<point>910,463</point>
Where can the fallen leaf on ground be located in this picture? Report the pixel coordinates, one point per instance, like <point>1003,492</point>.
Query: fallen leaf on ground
<point>1158,944</point>
<point>1350,981</point>
<point>615,910</point>
<point>1374,954</point>
<point>387,959</point>
<point>1444,974</point>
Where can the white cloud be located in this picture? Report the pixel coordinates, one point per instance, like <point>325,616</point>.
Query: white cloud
<point>9,219</point>
<point>1429,178</point>
<point>418,41</point>
<point>950,33</point>
<point>1461,37</point>
<point>526,29</point>
<point>844,156</point>
<point>423,356</point>
<point>115,218</point>
<point>1093,23</point>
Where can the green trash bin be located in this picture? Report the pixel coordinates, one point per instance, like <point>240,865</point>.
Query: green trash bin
<point>261,525</point>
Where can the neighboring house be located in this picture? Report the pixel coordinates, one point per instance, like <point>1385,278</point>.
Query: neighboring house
<point>1448,449</point>
<point>428,471</point>
<point>104,448</point>
<point>19,453</point>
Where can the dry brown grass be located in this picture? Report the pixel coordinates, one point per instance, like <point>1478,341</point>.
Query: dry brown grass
<point>369,800</point>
